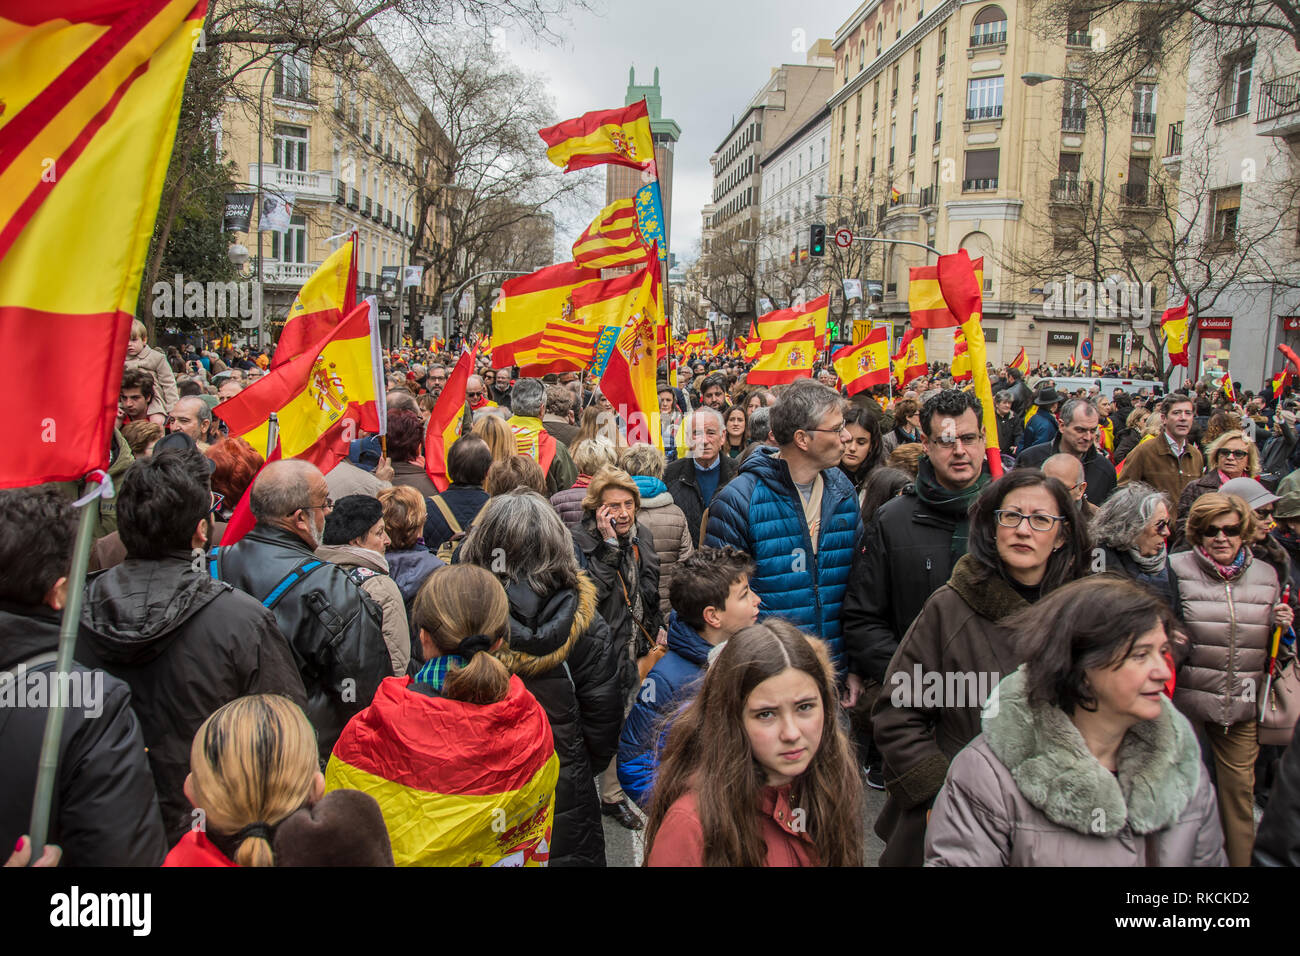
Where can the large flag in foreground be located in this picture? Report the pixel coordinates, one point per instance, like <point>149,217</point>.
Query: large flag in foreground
<point>962,287</point>
<point>90,95</point>
<point>925,299</point>
<point>620,137</point>
<point>629,379</point>
<point>910,363</point>
<point>527,305</point>
<point>445,421</point>
<point>320,305</point>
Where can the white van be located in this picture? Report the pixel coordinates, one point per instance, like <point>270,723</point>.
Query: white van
<point>1131,386</point>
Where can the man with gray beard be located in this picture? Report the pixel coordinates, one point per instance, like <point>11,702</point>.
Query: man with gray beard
<point>333,627</point>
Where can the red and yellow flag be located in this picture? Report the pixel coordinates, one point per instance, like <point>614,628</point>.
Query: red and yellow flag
<point>1021,361</point>
<point>90,95</point>
<point>321,303</point>
<point>961,366</point>
<point>445,421</point>
<point>864,364</point>
<point>527,304</point>
<point>1228,388</point>
<point>775,326</point>
<point>910,362</point>
<point>1174,323</point>
<point>786,359</point>
<point>697,341</point>
<point>962,287</point>
<point>925,299</point>
<point>620,137</point>
<point>629,380</point>
<point>613,238</point>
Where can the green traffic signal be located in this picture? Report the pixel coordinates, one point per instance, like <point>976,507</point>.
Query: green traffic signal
<point>817,241</point>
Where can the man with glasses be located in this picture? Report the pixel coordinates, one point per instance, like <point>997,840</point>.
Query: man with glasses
<point>476,391</point>
<point>909,547</point>
<point>334,628</point>
<point>1168,462</point>
<point>796,513</point>
<point>1068,470</point>
<point>695,480</point>
<point>1079,423</point>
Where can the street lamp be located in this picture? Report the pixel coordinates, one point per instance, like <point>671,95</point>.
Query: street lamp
<point>1035,79</point>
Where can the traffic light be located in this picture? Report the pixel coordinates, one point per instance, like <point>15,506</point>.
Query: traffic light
<point>817,242</point>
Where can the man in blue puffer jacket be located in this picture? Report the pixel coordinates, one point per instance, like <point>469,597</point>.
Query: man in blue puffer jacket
<point>711,600</point>
<point>796,513</point>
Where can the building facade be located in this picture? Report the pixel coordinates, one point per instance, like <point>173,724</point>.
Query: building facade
<point>794,174</point>
<point>622,182</point>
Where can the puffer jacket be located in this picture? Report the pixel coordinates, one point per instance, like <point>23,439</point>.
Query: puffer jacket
<point>1278,841</point>
<point>1230,632</point>
<point>567,658</point>
<point>333,627</point>
<point>185,645</point>
<point>761,512</point>
<point>1027,792</point>
<point>1041,427</point>
<point>958,632</point>
<point>370,570</point>
<point>568,503</point>
<point>105,808</point>
<point>667,525</point>
<point>670,682</point>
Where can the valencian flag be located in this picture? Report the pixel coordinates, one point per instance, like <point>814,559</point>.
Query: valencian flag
<point>90,95</point>
<point>321,303</point>
<point>1173,322</point>
<point>650,218</point>
<point>445,421</point>
<point>620,137</point>
<point>629,379</point>
<point>962,289</point>
<point>459,784</point>
<point>1021,361</point>
<point>604,309</point>
<point>613,238</point>
<point>910,362</point>
<point>526,305</point>
<point>786,359</point>
<point>864,364</point>
<point>925,299</point>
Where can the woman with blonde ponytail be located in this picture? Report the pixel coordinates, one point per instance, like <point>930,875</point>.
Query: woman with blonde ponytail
<point>252,764</point>
<point>460,757</point>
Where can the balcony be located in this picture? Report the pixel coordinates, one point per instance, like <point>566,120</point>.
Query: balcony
<point>286,273</point>
<point>979,185</point>
<point>989,39</point>
<point>1144,124</point>
<point>1175,144</point>
<point>977,113</point>
<point>354,199</point>
<point>916,82</point>
<point>341,193</point>
<point>365,207</point>
<point>1226,114</point>
<point>1278,113</point>
<point>928,198</point>
<point>943,58</point>
<point>1069,191</point>
<point>938,128</point>
<point>317,186</point>
<point>1140,195</point>
<point>1078,38</point>
<point>1074,120</point>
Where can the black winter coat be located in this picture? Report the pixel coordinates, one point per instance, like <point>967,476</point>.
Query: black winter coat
<point>465,502</point>
<point>1098,472</point>
<point>333,627</point>
<point>1277,842</point>
<point>682,485</point>
<point>185,645</point>
<point>567,658</point>
<point>105,809</point>
<point>603,564</point>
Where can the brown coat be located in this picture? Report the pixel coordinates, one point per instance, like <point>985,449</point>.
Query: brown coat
<point>413,476</point>
<point>164,379</point>
<point>1027,792</point>
<point>1229,623</point>
<point>1154,463</point>
<point>667,524</point>
<point>958,642</point>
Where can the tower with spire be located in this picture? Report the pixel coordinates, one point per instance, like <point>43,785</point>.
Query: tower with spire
<point>621,182</point>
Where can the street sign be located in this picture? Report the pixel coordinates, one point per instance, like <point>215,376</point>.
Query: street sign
<point>843,238</point>
<point>1128,344</point>
<point>1085,349</point>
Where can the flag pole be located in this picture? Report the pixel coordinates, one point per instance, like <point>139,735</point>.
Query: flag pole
<point>272,434</point>
<point>47,768</point>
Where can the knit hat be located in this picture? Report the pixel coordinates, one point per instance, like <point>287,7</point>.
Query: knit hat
<point>351,518</point>
<point>343,828</point>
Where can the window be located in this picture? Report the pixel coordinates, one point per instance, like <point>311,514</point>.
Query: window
<point>938,117</point>
<point>916,69</point>
<point>1136,190</point>
<point>893,137</point>
<point>893,84</point>
<point>1234,95</point>
<point>1074,108</point>
<point>1225,204</point>
<point>862,54</point>
<point>912,149</point>
<point>1144,109</point>
<point>880,33</point>
<point>291,246</point>
<point>857,109</point>
<point>1076,30</point>
<point>984,98</point>
<point>291,77</point>
<point>943,47</point>
<point>981,170</point>
<point>989,27</point>
<point>875,103</point>
<point>291,147</point>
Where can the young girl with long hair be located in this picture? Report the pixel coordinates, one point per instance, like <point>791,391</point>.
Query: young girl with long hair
<point>756,770</point>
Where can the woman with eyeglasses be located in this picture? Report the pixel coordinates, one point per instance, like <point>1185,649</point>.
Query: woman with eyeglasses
<point>1026,539</point>
<point>1230,602</point>
<point>1132,529</point>
<point>1227,457</point>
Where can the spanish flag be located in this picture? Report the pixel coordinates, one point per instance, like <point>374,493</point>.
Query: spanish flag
<point>697,340</point>
<point>612,239</point>
<point>89,99</point>
<point>962,287</point>
<point>629,379</point>
<point>775,326</point>
<point>527,304</point>
<point>1228,389</point>
<point>894,194</point>
<point>961,367</point>
<point>459,784</point>
<point>864,364</point>
<point>446,421</point>
<point>603,309</point>
<point>1021,361</point>
<point>786,359</point>
<point>620,137</point>
<point>1279,384</point>
<point>925,299</point>
<point>910,362</point>
<point>1173,322</point>
<point>321,303</point>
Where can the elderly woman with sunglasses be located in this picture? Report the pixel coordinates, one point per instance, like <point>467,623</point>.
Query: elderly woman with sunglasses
<point>1229,602</point>
<point>1229,456</point>
<point>1131,531</point>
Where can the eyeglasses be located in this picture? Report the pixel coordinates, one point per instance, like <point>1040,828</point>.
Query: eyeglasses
<point>1229,453</point>
<point>1162,526</point>
<point>1264,514</point>
<point>473,394</point>
<point>835,430</point>
<point>327,506</point>
<point>1038,522</point>
<point>1228,531</point>
<point>950,441</point>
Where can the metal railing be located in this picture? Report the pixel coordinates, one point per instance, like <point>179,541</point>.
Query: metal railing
<point>1139,194</point>
<point>1068,190</point>
<point>979,185</point>
<point>1144,124</point>
<point>1078,38</point>
<point>1278,96</point>
<point>929,196</point>
<point>1074,119</point>
<point>1230,112</point>
<point>989,39</point>
<point>984,112</point>
<point>1175,146</point>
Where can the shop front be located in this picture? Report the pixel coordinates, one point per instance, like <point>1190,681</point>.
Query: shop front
<point>1213,347</point>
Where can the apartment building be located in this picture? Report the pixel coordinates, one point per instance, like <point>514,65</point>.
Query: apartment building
<point>347,151</point>
<point>936,139</point>
<point>793,175</point>
<point>1236,151</point>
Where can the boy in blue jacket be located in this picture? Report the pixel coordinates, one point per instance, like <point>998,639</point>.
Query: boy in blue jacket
<point>711,601</point>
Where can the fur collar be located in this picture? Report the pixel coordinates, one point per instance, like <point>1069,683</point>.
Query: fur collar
<point>583,611</point>
<point>1159,765</point>
<point>987,594</point>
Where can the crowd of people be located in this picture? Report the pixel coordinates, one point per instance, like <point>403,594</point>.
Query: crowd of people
<point>721,645</point>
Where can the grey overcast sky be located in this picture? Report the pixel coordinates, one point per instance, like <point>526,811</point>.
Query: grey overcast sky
<point>713,55</point>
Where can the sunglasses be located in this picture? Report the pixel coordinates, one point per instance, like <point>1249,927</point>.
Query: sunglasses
<point>1229,453</point>
<point>1228,531</point>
